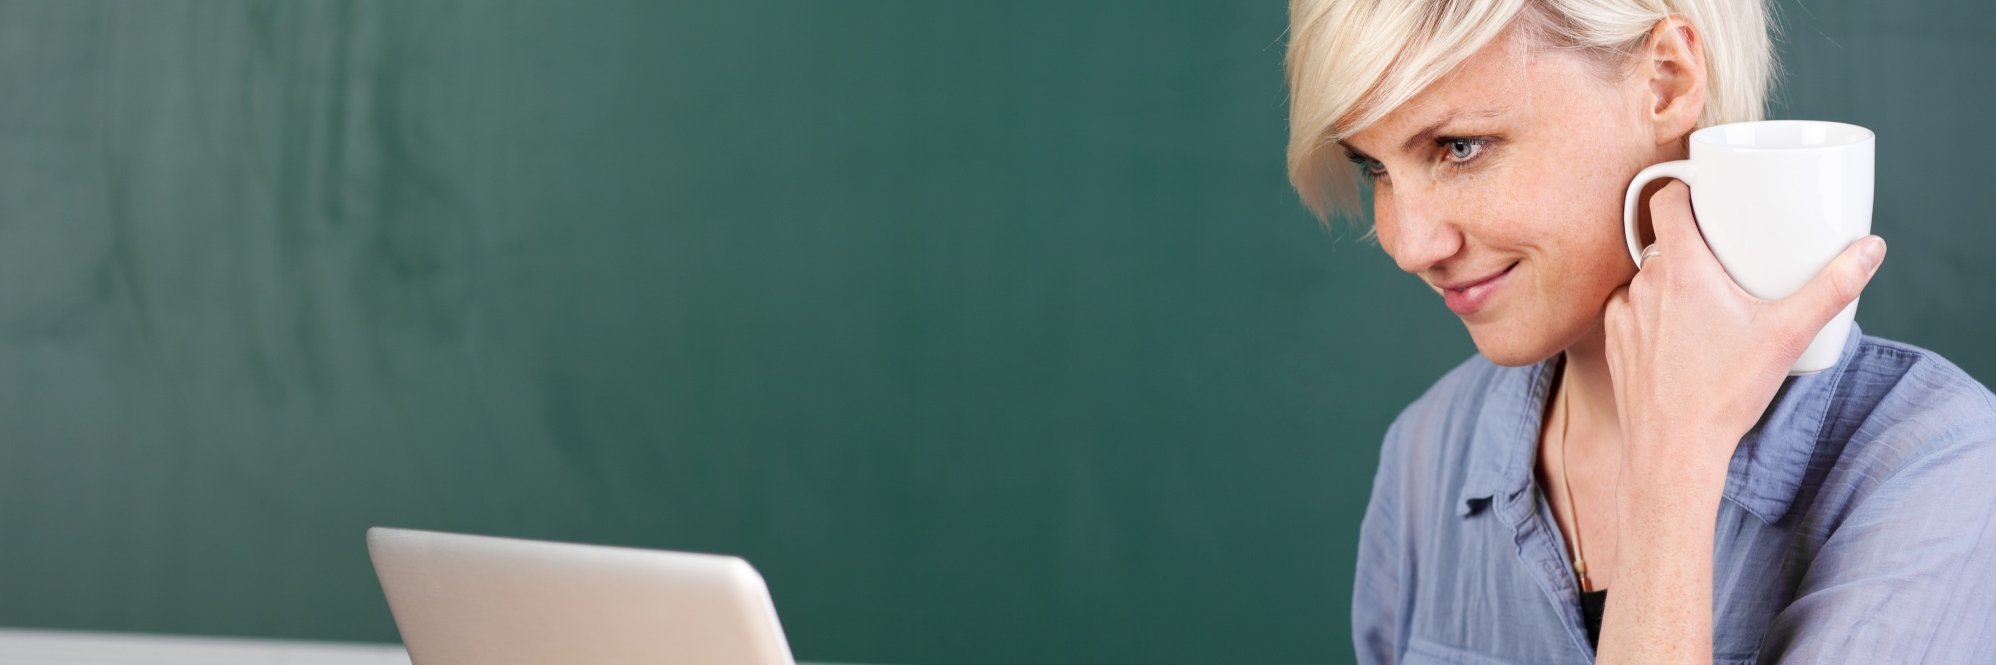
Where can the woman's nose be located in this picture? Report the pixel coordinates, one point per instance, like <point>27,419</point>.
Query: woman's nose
<point>1418,230</point>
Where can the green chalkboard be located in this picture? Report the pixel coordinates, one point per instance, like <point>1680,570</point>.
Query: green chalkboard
<point>991,332</point>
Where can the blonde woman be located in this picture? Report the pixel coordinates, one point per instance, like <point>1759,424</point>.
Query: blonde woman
<point>1625,472</point>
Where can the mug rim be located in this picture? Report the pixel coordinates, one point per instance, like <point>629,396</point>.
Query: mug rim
<point>1704,136</point>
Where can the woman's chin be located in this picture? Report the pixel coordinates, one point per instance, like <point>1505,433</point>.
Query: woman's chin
<point>1513,350</point>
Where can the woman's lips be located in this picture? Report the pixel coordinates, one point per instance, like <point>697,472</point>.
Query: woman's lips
<point>1468,298</point>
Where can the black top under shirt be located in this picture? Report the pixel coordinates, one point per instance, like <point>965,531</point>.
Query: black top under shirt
<point>1591,605</point>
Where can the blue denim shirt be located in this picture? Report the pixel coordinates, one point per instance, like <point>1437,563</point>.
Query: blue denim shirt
<point>1856,524</point>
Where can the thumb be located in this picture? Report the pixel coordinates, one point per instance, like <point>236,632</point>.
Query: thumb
<point>1836,286</point>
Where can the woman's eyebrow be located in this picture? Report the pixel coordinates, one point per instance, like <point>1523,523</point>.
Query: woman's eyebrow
<point>1428,133</point>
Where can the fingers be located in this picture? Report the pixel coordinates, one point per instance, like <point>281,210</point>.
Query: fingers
<point>1617,322</point>
<point>1835,286</point>
<point>1670,217</point>
<point>1682,245</point>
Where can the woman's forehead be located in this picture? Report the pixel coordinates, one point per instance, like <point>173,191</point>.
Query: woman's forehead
<point>1500,81</point>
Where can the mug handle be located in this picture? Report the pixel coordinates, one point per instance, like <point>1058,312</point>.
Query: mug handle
<point>1680,169</point>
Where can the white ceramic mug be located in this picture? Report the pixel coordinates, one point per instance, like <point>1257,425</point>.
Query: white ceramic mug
<point>1776,201</point>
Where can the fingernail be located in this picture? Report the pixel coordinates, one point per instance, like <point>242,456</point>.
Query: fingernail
<point>1872,253</point>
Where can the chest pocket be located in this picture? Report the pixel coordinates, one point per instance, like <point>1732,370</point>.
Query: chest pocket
<point>1427,652</point>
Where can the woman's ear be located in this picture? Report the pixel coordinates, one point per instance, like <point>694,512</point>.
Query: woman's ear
<point>1671,64</point>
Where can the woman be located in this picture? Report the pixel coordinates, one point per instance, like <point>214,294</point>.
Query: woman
<point>1623,430</point>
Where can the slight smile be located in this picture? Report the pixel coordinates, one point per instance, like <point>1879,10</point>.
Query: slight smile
<point>1467,297</point>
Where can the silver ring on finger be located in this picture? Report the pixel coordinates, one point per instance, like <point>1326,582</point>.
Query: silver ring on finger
<point>1650,252</point>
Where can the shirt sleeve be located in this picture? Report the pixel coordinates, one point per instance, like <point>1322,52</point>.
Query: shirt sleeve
<point>1909,576</point>
<point>1376,593</point>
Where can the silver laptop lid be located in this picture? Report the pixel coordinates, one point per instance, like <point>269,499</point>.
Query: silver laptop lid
<point>478,600</point>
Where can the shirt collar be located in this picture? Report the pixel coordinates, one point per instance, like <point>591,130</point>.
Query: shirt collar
<point>1505,434</point>
<point>1764,476</point>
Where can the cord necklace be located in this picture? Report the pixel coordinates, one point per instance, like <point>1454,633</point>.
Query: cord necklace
<point>1572,511</point>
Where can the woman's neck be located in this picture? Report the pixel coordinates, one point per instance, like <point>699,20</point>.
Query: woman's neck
<point>1593,422</point>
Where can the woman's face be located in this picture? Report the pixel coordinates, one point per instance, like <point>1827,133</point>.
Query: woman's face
<point>1501,187</point>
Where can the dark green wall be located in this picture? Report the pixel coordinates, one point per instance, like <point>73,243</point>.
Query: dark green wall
<point>991,332</point>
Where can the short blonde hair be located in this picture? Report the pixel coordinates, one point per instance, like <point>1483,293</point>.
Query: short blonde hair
<point>1352,62</point>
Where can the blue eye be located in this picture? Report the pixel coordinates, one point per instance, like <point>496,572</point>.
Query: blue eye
<point>1462,151</point>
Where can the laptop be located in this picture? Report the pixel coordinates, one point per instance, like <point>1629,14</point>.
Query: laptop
<point>479,600</point>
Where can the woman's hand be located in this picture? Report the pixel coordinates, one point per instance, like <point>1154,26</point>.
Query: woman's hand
<point>1695,360</point>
